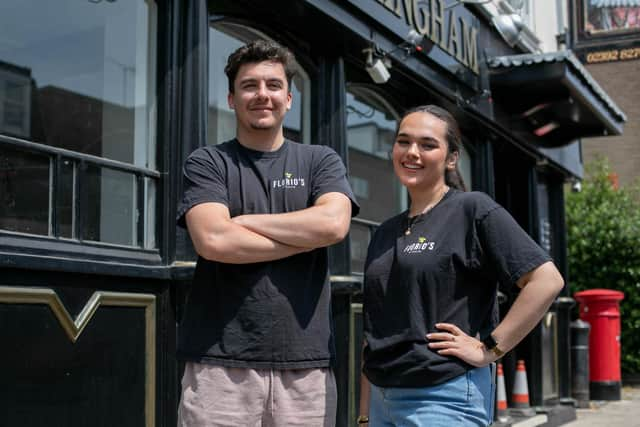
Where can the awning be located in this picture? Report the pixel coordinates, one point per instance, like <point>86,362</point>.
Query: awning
<point>552,98</point>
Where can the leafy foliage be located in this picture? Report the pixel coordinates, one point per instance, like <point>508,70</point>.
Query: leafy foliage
<point>604,248</point>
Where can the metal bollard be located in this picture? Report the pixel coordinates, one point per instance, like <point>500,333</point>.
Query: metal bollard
<point>580,362</point>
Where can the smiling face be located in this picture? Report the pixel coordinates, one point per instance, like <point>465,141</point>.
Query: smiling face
<point>260,97</point>
<point>420,152</point>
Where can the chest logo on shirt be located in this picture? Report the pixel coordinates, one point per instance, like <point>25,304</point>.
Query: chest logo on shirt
<point>289,181</point>
<point>420,246</point>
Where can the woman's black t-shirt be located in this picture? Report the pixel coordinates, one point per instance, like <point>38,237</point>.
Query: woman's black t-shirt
<point>446,270</point>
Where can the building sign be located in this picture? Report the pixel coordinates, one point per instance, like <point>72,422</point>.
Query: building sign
<point>442,26</point>
<point>612,54</point>
<point>452,30</point>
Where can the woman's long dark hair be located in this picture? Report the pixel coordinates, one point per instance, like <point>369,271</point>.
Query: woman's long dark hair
<point>453,178</point>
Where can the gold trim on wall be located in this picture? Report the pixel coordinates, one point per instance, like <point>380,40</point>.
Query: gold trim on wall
<point>73,328</point>
<point>354,371</point>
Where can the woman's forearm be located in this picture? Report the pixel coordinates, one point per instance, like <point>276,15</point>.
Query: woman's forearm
<point>538,293</point>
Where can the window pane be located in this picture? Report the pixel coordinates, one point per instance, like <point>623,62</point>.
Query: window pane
<point>545,229</point>
<point>151,201</point>
<point>24,192</point>
<point>66,197</point>
<point>371,126</point>
<point>112,215</point>
<point>371,130</point>
<point>464,166</point>
<point>359,240</point>
<point>80,75</point>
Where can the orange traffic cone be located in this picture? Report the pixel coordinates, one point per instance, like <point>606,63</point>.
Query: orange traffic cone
<point>520,395</point>
<point>502,396</point>
<point>501,399</point>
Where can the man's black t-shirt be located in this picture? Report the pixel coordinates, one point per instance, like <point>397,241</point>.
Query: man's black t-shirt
<point>270,314</point>
<point>446,270</point>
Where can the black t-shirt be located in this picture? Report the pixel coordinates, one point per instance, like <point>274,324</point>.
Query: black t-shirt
<point>446,270</point>
<point>270,314</point>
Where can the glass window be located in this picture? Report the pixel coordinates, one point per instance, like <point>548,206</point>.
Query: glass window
<point>371,127</point>
<point>20,210</point>
<point>77,86</point>
<point>544,216</point>
<point>464,166</point>
<point>224,38</point>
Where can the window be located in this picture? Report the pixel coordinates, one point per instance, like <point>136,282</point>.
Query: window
<point>610,17</point>
<point>371,127</point>
<point>545,231</point>
<point>15,93</point>
<point>464,166</point>
<point>77,120</point>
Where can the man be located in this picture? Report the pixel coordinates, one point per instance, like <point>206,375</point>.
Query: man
<point>261,210</point>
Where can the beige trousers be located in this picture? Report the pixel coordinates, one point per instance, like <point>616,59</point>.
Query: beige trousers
<point>234,397</point>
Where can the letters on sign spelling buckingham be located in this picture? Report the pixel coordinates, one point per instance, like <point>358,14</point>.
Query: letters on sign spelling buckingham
<point>442,26</point>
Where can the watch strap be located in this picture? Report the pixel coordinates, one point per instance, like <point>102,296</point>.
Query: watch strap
<point>491,345</point>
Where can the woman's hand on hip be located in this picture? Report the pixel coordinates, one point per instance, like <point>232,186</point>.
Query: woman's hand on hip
<point>452,341</point>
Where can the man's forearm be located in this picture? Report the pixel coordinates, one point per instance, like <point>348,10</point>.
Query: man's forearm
<point>216,238</point>
<point>314,227</point>
<point>243,246</point>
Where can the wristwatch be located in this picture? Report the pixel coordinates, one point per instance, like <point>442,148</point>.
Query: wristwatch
<point>362,419</point>
<point>492,346</point>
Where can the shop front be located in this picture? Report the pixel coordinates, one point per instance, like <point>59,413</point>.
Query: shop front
<point>103,100</point>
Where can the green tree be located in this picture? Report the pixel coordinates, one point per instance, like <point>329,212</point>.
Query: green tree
<point>604,248</point>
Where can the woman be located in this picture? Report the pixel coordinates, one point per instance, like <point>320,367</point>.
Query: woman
<point>430,285</point>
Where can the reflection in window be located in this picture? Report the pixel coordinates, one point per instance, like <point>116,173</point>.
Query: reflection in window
<point>224,38</point>
<point>602,17</point>
<point>111,215</point>
<point>24,191</point>
<point>79,76</point>
<point>464,166</point>
<point>371,127</point>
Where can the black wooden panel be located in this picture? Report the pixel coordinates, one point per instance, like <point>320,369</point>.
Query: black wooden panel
<point>49,380</point>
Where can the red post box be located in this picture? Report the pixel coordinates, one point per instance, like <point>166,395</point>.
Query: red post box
<point>601,309</point>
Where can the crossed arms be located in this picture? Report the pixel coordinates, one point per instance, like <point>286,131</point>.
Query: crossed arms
<point>265,237</point>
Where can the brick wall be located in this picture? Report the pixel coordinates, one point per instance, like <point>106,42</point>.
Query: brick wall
<point>621,81</point>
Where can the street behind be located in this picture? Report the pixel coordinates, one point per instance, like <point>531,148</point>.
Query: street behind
<point>622,413</point>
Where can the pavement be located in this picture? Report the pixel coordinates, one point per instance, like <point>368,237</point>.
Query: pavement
<point>619,413</point>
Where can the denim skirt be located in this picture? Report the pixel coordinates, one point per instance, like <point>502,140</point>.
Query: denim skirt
<point>466,400</point>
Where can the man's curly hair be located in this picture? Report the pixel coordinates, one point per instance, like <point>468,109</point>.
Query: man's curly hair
<point>259,51</point>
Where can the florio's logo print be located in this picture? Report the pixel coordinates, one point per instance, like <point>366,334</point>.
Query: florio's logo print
<point>420,246</point>
<point>289,181</point>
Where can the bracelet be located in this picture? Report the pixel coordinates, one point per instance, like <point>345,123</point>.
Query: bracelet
<point>362,419</point>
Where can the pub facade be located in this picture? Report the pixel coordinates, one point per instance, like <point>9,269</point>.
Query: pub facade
<point>102,100</point>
